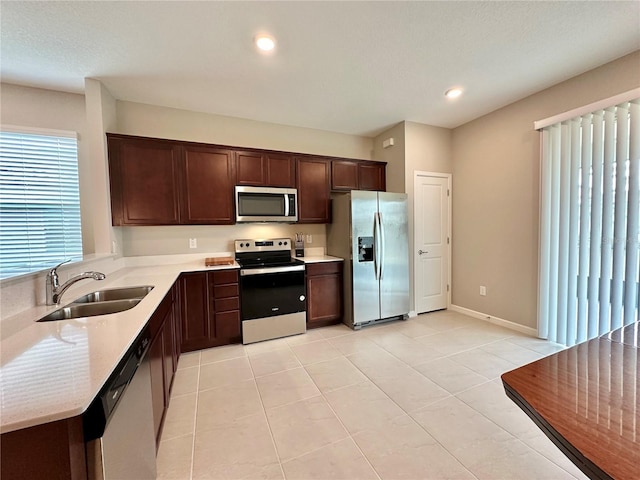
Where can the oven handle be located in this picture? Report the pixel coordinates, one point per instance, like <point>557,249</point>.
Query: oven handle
<point>264,271</point>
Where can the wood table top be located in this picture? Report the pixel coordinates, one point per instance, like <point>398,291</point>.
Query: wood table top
<point>587,401</point>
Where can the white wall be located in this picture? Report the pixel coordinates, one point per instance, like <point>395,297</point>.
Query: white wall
<point>162,122</point>
<point>495,193</point>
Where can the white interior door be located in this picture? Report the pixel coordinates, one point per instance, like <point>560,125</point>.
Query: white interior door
<point>431,240</point>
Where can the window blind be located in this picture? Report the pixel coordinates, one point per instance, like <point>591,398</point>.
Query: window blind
<point>39,201</point>
<point>590,224</point>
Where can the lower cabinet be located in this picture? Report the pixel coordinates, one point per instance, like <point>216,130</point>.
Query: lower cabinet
<point>324,294</point>
<point>51,450</point>
<point>163,359</point>
<point>210,309</point>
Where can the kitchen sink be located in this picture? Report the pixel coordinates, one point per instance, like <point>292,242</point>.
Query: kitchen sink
<point>125,293</point>
<point>80,310</point>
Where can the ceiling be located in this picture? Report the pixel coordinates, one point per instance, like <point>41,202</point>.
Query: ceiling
<point>349,67</point>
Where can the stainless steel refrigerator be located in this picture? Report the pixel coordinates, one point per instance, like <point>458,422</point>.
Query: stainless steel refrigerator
<point>369,230</point>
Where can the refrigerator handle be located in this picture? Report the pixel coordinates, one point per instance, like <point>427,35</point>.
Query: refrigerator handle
<point>376,245</point>
<point>383,253</point>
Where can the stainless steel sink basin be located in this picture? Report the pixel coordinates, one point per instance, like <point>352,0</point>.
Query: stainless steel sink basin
<point>90,309</point>
<point>126,293</point>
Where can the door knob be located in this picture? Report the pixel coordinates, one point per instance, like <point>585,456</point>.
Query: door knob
<point>420,252</point>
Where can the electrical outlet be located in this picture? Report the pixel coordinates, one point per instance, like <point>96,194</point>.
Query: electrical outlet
<point>483,290</point>
<point>309,238</point>
<point>193,243</point>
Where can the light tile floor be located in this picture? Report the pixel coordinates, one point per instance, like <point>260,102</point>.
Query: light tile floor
<point>406,400</point>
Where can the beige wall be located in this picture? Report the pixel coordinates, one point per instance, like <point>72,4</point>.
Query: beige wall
<point>38,108</point>
<point>161,122</point>
<point>495,193</point>
<point>394,156</point>
<point>418,148</point>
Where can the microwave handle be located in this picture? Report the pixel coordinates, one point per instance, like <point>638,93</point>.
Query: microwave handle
<point>286,204</point>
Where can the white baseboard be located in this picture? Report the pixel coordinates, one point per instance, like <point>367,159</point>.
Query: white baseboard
<point>412,314</point>
<point>495,320</point>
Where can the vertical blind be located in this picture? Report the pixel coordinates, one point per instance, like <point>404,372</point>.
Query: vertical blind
<point>39,201</point>
<point>589,224</point>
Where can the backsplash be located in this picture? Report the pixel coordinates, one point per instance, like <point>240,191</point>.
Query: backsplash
<point>139,241</point>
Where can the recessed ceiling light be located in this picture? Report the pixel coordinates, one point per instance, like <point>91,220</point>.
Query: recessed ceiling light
<point>453,92</point>
<point>265,43</point>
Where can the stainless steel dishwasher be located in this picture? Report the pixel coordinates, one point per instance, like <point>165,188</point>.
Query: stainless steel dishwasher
<point>118,425</point>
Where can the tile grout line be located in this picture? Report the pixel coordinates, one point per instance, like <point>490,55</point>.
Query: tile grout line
<point>195,418</point>
<point>349,435</point>
<point>266,418</point>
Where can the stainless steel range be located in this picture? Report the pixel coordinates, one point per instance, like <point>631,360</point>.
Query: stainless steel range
<point>272,290</point>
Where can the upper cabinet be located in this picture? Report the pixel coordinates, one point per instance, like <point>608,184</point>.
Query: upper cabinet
<point>145,181</point>
<point>313,190</point>
<point>357,175</point>
<point>161,182</point>
<point>208,186</point>
<point>265,169</point>
<point>170,182</point>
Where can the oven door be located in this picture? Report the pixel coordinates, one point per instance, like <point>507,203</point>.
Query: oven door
<point>268,292</point>
<point>273,303</point>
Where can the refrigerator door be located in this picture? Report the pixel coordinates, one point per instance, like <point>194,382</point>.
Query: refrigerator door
<point>394,271</point>
<point>366,292</point>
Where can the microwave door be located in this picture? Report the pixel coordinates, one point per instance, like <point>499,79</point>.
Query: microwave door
<point>255,204</point>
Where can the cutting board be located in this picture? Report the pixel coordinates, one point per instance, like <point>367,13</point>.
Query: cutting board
<point>214,261</point>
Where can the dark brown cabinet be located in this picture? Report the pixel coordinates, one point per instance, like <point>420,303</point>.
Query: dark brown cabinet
<point>265,169</point>
<point>313,190</point>
<point>357,175</point>
<point>51,450</point>
<point>207,186</point>
<point>164,182</point>
<point>163,355</point>
<point>145,185</point>
<point>324,294</point>
<point>210,309</point>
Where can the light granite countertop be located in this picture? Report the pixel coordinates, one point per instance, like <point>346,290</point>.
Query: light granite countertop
<point>320,259</point>
<point>53,370</point>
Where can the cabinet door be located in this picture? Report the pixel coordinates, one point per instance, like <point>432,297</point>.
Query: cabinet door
<point>324,294</point>
<point>281,170</point>
<point>313,190</point>
<point>144,179</point>
<point>167,354</point>
<point>194,299</point>
<point>250,168</point>
<point>224,308</point>
<point>371,176</point>
<point>157,382</point>
<point>209,179</point>
<point>344,175</point>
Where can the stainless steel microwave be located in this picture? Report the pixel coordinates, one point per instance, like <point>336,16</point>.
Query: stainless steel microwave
<point>266,204</point>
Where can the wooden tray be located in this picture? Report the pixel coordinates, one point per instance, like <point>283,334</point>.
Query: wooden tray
<point>214,261</point>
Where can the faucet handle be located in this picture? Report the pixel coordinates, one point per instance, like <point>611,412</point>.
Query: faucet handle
<point>53,270</point>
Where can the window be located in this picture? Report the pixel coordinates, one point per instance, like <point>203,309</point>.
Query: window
<point>39,200</point>
<point>590,224</point>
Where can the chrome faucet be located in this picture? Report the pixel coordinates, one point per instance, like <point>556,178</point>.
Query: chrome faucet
<point>55,290</point>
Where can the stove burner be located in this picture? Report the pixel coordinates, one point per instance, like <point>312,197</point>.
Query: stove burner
<point>265,253</point>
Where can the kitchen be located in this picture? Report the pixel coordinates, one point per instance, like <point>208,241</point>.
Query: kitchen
<point>418,147</point>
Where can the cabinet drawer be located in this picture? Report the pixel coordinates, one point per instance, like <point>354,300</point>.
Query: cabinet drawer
<point>324,268</point>
<point>225,276</point>
<point>224,291</point>
<point>227,304</point>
